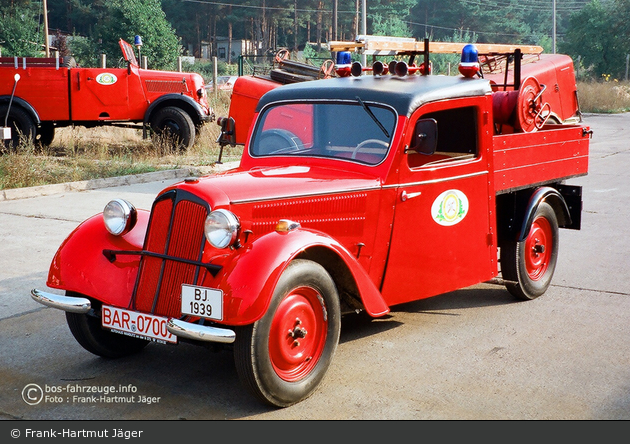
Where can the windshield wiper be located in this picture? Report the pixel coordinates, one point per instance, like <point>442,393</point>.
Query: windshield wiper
<point>371,114</point>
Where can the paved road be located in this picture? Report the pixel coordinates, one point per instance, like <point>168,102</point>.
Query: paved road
<point>470,354</point>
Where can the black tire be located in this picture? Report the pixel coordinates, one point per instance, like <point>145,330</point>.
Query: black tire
<point>173,125</point>
<point>528,266</point>
<point>91,336</point>
<point>45,134</point>
<point>283,357</point>
<point>21,124</point>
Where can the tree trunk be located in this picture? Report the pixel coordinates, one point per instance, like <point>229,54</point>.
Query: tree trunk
<point>295,26</point>
<point>229,49</point>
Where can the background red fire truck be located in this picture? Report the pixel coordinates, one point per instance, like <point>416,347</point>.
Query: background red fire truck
<point>353,194</point>
<point>38,95</point>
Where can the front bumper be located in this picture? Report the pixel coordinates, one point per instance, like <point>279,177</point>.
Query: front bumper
<point>73,304</point>
<point>188,330</point>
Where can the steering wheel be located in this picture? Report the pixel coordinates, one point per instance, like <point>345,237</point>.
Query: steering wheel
<point>326,69</point>
<point>282,55</point>
<point>367,142</point>
<point>274,138</point>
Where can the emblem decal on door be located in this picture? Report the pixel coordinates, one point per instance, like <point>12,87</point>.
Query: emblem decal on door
<point>106,78</point>
<point>449,208</point>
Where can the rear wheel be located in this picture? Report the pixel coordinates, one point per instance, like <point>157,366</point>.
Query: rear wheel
<point>21,124</point>
<point>45,134</point>
<point>173,126</point>
<point>283,357</point>
<point>88,332</point>
<point>528,265</point>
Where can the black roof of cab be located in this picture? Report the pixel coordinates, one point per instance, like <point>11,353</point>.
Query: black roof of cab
<point>404,94</point>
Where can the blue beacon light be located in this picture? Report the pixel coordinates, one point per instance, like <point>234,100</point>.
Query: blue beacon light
<point>469,64</point>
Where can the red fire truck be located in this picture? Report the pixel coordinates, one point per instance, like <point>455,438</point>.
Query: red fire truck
<point>38,95</point>
<point>353,194</point>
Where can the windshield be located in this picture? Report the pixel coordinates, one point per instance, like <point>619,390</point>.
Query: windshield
<point>357,131</point>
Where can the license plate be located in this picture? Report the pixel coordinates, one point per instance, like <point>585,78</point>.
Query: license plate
<point>137,325</point>
<point>202,301</point>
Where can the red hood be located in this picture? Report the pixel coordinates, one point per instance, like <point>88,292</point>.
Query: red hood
<point>275,183</point>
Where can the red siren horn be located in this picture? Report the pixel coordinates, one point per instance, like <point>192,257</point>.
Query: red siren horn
<point>378,68</point>
<point>401,69</point>
<point>356,69</point>
<point>391,67</point>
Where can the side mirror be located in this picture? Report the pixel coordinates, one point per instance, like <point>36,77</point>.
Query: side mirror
<point>228,134</point>
<point>424,139</point>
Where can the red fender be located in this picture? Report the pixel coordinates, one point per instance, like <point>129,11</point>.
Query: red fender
<point>249,279</point>
<point>80,266</point>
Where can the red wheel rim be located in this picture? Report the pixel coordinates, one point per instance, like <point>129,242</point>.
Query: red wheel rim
<point>538,248</point>
<point>298,334</point>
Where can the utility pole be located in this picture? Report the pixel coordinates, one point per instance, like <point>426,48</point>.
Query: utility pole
<point>45,6</point>
<point>334,17</point>
<point>554,26</point>
<point>363,28</point>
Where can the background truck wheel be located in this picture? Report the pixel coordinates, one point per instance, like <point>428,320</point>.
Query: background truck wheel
<point>283,357</point>
<point>45,134</point>
<point>21,124</point>
<point>91,336</point>
<point>530,264</point>
<point>173,126</point>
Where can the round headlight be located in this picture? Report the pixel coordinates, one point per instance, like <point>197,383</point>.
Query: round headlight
<point>221,228</point>
<point>119,217</point>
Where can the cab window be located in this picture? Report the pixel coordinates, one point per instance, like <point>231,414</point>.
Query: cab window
<point>350,131</point>
<point>456,137</point>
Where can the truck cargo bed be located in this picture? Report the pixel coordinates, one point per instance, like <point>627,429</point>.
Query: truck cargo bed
<point>555,153</point>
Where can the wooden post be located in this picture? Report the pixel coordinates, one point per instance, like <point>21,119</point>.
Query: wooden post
<point>46,45</point>
<point>103,61</point>
<point>215,75</point>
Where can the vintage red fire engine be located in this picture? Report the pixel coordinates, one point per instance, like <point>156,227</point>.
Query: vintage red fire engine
<point>353,194</point>
<point>38,95</point>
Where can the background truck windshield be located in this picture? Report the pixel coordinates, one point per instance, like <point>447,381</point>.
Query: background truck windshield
<point>356,131</point>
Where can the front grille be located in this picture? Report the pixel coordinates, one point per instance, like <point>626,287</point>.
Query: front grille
<point>176,230</point>
<point>166,86</point>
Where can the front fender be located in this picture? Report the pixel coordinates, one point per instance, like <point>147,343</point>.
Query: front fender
<point>80,266</point>
<point>249,279</point>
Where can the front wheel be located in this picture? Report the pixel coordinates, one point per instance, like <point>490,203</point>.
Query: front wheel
<point>528,266</point>
<point>91,336</point>
<point>173,126</point>
<point>283,357</point>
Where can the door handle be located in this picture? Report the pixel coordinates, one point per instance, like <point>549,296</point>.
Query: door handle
<point>404,196</point>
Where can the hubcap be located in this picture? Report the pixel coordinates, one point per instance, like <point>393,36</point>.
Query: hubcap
<point>298,334</point>
<point>538,248</point>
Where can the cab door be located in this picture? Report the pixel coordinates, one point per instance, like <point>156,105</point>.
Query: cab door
<point>99,94</point>
<point>442,236</point>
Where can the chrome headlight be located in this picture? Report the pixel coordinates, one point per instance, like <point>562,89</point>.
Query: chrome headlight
<point>221,228</point>
<point>119,217</point>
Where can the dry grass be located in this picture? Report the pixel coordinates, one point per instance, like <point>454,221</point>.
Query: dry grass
<point>604,97</point>
<point>79,153</point>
